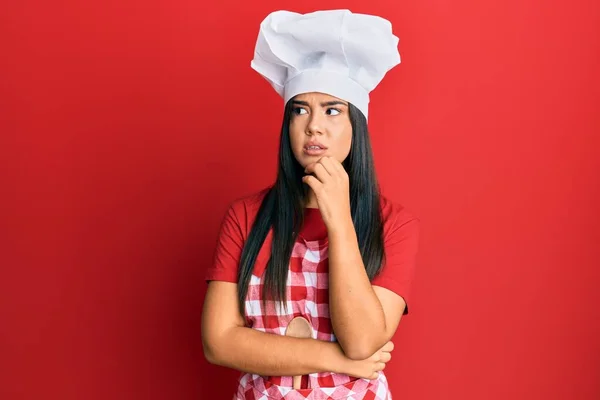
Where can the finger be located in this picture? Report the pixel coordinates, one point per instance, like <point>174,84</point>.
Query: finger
<point>389,346</point>
<point>380,367</point>
<point>385,357</point>
<point>336,169</point>
<point>313,182</point>
<point>329,164</point>
<point>339,166</point>
<point>319,171</point>
<point>374,376</point>
<point>312,167</point>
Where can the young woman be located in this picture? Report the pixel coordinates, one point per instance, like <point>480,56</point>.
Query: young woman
<point>320,246</point>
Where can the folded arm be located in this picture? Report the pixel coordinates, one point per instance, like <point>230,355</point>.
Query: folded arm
<point>363,316</point>
<point>227,342</point>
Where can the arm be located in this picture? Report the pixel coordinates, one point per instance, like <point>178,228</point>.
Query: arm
<point>227,342</point>
<point>364,317</point>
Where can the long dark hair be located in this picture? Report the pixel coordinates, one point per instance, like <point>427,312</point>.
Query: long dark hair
<point>283,209</point>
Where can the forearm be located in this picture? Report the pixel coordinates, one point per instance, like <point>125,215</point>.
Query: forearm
<point>249,350</point>
<point>356,313</point>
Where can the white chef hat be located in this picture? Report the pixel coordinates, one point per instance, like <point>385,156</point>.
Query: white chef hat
<point>335,52</point>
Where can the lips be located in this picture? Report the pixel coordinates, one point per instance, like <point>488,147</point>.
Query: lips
<point>314,145</point>
<point>315,149</point>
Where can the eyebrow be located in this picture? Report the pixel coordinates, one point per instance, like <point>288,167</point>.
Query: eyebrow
<point>325,104</point>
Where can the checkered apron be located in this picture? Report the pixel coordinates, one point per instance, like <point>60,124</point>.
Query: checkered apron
<point>307,296</point>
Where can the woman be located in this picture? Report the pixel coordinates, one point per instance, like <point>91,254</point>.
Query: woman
<point>321,246</point>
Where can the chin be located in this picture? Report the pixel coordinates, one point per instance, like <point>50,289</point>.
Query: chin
<point>304,159</point>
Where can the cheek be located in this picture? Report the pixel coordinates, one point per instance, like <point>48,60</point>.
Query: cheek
<point>296,140</point>
<point>343,145</point>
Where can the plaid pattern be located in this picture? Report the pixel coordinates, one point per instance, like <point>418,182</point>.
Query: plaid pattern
<point>254,387</point>
<point>307,296</point>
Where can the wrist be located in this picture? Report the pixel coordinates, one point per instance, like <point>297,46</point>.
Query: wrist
<point>343,228</point>
<point>334,360</point>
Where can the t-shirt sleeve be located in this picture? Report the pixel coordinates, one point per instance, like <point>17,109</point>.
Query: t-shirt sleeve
<point>401,245</point>
<point>228,251</point>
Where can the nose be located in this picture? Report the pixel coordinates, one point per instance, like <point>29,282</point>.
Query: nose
<point>315,125</point>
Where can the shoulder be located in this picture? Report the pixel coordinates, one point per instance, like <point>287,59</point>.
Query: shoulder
<point>243,209</point>
<point>396,216</point>
<point>249,203</point>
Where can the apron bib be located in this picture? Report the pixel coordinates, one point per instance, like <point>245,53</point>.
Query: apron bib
<point>308,297</point>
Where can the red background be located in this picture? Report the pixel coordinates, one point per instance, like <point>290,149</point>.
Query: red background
<point>127,127</point>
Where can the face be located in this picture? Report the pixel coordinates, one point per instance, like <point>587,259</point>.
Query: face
<point>319,126</point>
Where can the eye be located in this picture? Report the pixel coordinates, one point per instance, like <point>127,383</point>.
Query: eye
<point>333,111</point>
<point>299,110</point>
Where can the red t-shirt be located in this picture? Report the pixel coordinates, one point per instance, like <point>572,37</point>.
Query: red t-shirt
<point>400,230</point>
